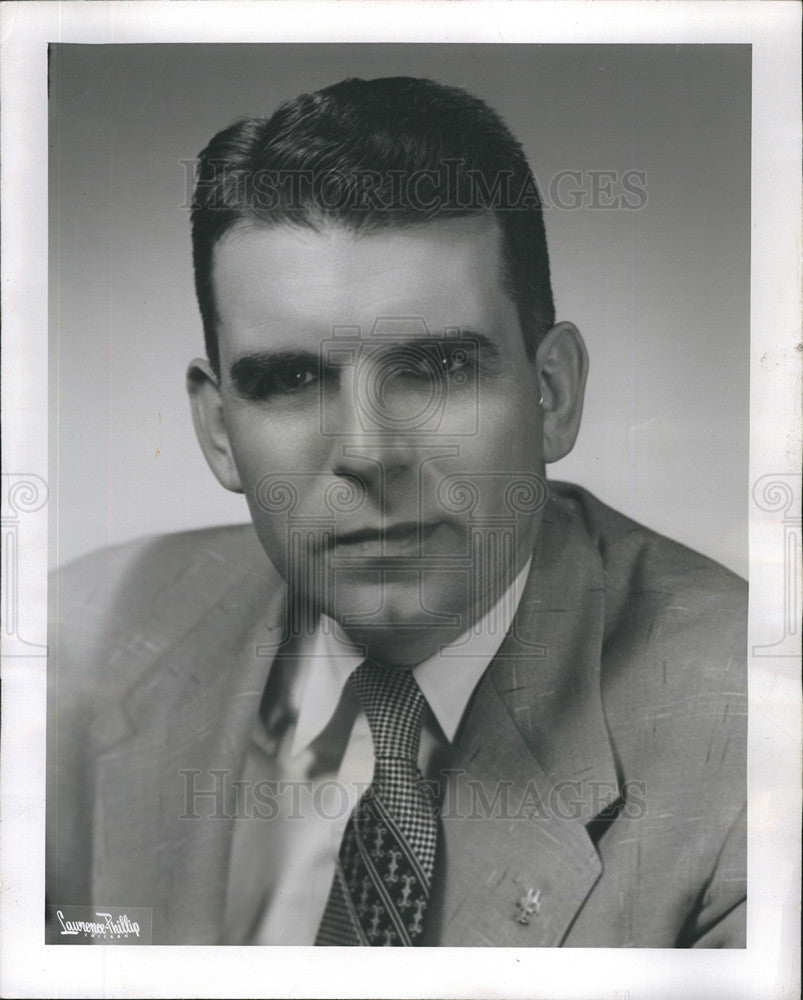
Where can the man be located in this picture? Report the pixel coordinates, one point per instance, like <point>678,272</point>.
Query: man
<point>456,704</point>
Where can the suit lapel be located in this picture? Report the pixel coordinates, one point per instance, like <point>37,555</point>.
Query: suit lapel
<point>533,763</point>
<point>184,729</point>
<point>503,837</point>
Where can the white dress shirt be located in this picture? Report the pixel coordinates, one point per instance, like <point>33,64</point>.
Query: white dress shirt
<point>310,760</point>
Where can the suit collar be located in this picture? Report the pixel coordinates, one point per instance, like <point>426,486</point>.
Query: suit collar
<point>535,743</point>
<point>548,671</point>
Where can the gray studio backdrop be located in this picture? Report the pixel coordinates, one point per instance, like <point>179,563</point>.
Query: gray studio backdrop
<point>656,278</point>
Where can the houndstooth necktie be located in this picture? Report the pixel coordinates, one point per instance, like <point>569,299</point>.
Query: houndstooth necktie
<point>387,854</point>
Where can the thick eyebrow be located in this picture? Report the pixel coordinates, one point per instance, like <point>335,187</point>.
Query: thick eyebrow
<point>259,362</point>
<point>488,347</point>
<point>247,370</point>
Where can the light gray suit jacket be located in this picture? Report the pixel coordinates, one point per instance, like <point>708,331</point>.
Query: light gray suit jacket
<point>601,761</point>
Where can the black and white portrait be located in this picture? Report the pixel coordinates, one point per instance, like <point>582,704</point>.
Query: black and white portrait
<point>429,675</point>
<point>398,481</point>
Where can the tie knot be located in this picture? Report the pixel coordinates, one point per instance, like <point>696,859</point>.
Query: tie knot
<point>393,705</point>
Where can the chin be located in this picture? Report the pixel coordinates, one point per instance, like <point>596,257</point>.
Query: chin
<point>402,619</point>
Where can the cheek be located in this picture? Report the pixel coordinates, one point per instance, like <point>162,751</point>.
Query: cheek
<point>266,445</point>
<point>510,431</point>
<point>505,460</point>
<point>279,459</point>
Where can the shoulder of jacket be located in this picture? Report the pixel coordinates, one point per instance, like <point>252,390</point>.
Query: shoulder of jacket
<point>675,635</point>
<point>158,555</point>
<point>646,570</point>
<point>146,592</point>
<point>673,668</point>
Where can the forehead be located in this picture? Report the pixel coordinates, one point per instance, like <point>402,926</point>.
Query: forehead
<point>289,285</point>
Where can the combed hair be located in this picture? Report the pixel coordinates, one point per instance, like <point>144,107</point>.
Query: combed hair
<point>369,154</point>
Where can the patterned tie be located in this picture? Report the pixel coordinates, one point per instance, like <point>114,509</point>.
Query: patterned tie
<point>384,868</point>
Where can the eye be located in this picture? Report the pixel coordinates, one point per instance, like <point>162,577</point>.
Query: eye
<point>291,377</point>
<point>458,364</point>
<point>455,361</point>
<point>428,361</point>
<point>283,379</point>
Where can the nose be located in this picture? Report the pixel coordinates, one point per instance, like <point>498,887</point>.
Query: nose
<point>368,440</point>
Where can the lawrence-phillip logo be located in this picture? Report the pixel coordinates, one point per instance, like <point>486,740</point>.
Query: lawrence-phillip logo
<point>99,924</point>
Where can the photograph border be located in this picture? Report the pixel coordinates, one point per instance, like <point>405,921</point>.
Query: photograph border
<point>768,967</point>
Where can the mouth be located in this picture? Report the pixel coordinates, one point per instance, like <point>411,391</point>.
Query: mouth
<point>400,538</point>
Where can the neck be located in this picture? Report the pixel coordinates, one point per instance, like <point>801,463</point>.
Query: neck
<point>404,646</point>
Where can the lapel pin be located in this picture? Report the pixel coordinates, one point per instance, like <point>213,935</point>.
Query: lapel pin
<point>528,904</point>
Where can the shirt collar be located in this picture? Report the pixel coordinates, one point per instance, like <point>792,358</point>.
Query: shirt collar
<point>446,679</point>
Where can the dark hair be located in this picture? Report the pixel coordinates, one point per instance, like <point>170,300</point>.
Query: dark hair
<point>369,154</point>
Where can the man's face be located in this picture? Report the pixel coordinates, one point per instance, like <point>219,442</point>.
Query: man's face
<point>380,407</point>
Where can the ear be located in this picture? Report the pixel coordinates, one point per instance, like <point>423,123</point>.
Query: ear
<point>562,362</point>
<point>203,388</point>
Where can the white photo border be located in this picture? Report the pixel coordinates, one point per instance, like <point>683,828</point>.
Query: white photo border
<point>769,966</point>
